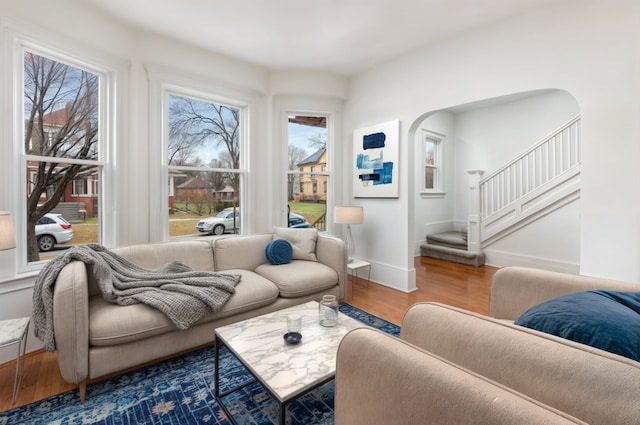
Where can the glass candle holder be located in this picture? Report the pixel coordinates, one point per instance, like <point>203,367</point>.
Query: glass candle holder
<point>328,311</point>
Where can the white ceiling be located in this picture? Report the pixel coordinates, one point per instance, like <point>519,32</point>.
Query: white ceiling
<point>339,36</point>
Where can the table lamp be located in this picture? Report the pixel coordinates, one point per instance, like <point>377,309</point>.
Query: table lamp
<point>349,216</point>
<point>7,238</point>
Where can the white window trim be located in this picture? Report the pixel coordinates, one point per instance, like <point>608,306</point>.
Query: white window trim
<point>16,37</point>
<point>439,190</point>
<point>327,170</point>
<point>165,82</point>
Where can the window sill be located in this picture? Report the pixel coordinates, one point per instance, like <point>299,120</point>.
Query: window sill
<point>18,282</point>
<point>432,195</point>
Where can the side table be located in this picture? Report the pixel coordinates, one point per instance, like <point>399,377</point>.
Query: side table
<point>15,331</point>
<point>356,265</point>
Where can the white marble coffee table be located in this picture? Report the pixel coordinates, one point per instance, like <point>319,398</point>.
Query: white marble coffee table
<point>286,371</point>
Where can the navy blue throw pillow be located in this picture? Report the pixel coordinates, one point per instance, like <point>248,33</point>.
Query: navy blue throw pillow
<point>609,320</point>
<point>279,251</point>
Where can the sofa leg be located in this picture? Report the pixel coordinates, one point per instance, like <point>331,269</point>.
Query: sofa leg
<point>83,390</point>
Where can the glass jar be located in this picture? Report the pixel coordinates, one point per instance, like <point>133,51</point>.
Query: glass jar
<point>328,311</point>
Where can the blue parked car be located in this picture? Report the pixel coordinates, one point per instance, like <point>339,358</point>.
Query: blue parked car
<point>297,221</point>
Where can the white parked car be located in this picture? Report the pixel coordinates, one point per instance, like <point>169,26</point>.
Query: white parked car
<point>52,229</point>
<point>225,221</point>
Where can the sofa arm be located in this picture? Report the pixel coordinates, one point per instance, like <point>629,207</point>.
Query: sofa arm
<point>566,375</point>
<point>332,251</point>
<point>516,289</point>
<point>383,380</point>
<point>71,322</point>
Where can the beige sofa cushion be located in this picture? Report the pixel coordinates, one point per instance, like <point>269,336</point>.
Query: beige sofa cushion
<point>299,278</point>
<point>384,380</point>
<point>196,254</point>
<point>110,326</point>
<point>240,252</point>
<point>303,241</point>
<point>596,386</point>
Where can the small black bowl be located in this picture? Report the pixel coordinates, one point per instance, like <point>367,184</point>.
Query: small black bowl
<point>292,337</point>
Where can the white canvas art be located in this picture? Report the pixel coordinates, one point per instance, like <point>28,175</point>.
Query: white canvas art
<point>375,153</point>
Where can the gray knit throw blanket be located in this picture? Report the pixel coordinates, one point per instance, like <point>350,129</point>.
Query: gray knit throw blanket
<point>182,294</point>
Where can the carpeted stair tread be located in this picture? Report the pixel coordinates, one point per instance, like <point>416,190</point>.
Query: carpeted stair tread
<point>460,256</point>
<point>449,239</point>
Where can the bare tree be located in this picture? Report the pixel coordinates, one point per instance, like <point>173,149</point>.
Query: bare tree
<point>217,180</point>
<point>181,151</point>
<point>61,109</point>
<point>193,122</point>
<point>318,141</point>
<point>296,154</point>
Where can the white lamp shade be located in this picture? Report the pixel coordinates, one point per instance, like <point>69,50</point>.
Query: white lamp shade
<point>348,215</point>
<point>7,238</point>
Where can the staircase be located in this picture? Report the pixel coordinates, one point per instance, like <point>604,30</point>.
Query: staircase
<point>451,246</point>
<point>541,180</point>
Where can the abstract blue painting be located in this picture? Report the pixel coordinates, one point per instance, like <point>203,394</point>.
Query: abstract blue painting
<point>375,151</point>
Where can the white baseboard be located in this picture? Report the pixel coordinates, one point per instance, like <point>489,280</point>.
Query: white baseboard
<point>393,277</point>
<point>505,259</point>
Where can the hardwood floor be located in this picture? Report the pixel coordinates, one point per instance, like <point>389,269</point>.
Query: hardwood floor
<point>436,280</point>
<point>449,283</point>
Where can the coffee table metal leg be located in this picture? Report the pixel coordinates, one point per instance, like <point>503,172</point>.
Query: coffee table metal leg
<point>15,379</point>
<point>217,368</point>
<point>22,351</point>
<point>219,393</point>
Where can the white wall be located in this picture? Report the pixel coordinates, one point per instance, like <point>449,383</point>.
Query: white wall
<point>490,136</point>
<point>143,60</point>
<point>551,243</point>
<point>435,213</point>
<point>589,49</point>
<point>52,26</point>
<point>485,135</point>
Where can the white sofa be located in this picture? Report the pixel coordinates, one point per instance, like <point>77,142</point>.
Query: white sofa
<point>452,366</point>
<point>95,338</point>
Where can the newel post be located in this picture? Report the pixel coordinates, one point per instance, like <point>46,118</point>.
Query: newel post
<point>473,221</point>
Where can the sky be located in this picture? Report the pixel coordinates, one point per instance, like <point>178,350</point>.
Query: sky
<point>299,135</point>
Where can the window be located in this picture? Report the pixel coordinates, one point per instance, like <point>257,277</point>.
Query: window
<point>79,187</point>
<point>204,164</point>
<point>62,105</point>
<point>432,173</point>
<point>430,164</point>
<point>308,152</point>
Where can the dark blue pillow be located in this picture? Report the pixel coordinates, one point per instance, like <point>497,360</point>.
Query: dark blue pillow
<point>609,320</point>
<point>279,251</point>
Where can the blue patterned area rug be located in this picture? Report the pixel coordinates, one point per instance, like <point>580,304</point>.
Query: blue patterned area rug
<point>181,391</point>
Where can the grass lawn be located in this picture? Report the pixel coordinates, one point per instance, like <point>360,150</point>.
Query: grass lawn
<point>310,210</point>
<point>182,224</point>
<point>87,233</point>
<point>84,233</point>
